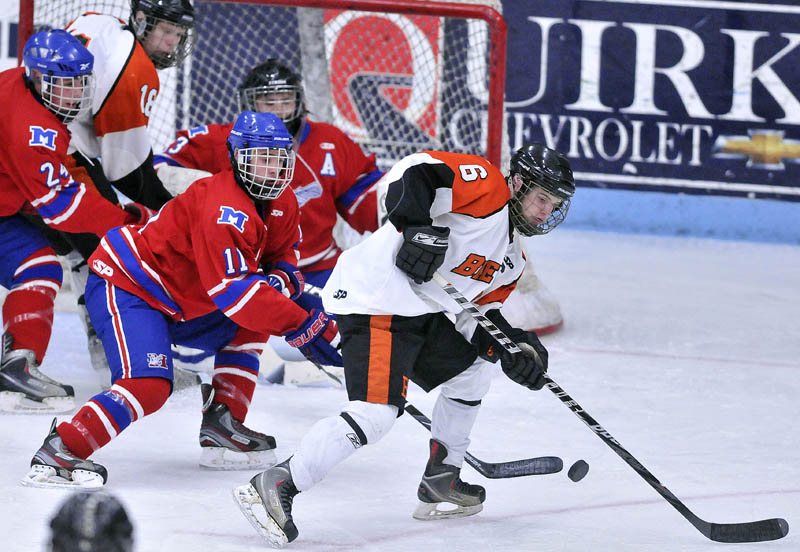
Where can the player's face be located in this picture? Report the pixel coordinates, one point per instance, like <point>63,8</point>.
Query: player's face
<point>279,103</point>
<point>538,204</point>
<point>266,165</point>
<point>164,38</point>
<point>67,92</point>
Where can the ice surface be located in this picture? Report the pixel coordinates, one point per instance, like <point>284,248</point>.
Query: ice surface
<point>687,351</point>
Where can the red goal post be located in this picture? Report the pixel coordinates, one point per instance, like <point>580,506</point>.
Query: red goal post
<point>397,75</point>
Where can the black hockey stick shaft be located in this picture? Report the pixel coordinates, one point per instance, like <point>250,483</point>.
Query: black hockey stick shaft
<point>540,465</point>
<point>754,531</point>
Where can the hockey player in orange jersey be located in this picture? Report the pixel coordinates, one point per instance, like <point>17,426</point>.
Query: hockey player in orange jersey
<point>455,214</point>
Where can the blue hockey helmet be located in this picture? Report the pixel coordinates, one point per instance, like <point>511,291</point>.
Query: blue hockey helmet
<point>61,69</point>
<point>262,154</point>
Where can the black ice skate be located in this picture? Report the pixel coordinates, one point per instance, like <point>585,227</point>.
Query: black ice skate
<point>54,466</point>
<point>274,491</point>
<point>225,441</point>
<point>441,492</point>
<point>23,388</point>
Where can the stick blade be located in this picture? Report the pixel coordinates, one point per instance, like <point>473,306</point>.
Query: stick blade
<point>754,531</point>
<point>540,465</point>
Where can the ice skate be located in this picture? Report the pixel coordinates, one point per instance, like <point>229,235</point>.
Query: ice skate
<point>274,491</point>
<point>441,492</point>
<point>54,466</point>
<point>226,443</point>
<point>24,389</point>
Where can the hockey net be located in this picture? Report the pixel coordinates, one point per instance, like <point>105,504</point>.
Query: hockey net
<point>397,76</point>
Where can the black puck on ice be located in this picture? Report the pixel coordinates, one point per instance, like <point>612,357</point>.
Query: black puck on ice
<point>578,470</point>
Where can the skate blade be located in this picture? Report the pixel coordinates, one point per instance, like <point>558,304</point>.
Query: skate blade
<point>223,459</point>
<point>444,510</point>
<point>17,403</point>
<point>252,508</point>
<point>46,477</point>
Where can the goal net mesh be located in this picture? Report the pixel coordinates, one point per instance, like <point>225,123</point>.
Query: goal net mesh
<point>394,82</point>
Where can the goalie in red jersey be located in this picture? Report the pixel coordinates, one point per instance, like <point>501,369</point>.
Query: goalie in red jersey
<point>214,269</point>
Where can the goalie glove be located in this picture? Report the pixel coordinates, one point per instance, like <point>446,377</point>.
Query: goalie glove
<point>318,339</point>
<point>521,368</point>
<point>422,251</point>
<point>287,279</point>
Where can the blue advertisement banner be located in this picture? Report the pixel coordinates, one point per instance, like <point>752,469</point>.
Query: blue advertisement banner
<point>690,96</point>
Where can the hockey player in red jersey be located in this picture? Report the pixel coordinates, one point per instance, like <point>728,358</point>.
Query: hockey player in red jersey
<point>332,174</point>
<point>214,269</point>
<point>452,213</point>
<point>110,144</point>
<point>51,90</point>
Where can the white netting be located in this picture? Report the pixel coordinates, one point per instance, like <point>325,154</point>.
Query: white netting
<point>396,83</point>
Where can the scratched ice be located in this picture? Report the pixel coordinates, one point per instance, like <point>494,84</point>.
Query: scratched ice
<point>685,350</point>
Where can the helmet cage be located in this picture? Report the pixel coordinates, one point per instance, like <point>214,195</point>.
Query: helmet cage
<point>527,186</point>
<point>252,165</point>
<point>180,17</point>
<point>263,98</point>
<point>62,67</point>
<point>67,97</point>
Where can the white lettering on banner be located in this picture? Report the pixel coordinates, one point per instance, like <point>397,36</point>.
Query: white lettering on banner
<point>671,142</point>
<point>745,70</point>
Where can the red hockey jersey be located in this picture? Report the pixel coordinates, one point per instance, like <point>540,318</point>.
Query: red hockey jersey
<point>204,251</point>
<point>332,175</point>
<point>34,167</point>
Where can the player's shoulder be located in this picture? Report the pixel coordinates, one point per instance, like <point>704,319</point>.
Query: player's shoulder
<point>30,124</point>
<point>98,27</point>
<point>326,136</point>
<point>479,189</point>
<point>211,131</point>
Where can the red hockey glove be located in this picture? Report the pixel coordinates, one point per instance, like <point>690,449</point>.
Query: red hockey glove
<point>287,279</point>
<point>138,213</point>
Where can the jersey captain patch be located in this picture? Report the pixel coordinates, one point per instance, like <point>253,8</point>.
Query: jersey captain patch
<point>43,137</point>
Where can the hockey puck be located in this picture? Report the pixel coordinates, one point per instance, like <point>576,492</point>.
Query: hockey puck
<point>578,470</point>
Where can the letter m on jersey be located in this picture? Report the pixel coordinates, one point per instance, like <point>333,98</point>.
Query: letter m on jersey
<point>229,215</point>
<point>43,137</point>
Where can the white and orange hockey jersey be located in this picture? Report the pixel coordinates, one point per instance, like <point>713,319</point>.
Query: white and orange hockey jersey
<point>484,259</point>
<point>126,87</point>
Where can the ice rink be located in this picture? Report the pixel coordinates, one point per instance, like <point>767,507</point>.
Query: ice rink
<point>686,350</point>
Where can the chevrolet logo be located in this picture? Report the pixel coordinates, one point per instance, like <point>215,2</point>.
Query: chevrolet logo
<point>765,149</point>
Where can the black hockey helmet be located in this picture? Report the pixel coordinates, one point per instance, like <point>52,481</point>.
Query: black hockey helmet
<point>91,521</point>
<point>176,12</point>
<point>264,82</point>
<point>532,166</point>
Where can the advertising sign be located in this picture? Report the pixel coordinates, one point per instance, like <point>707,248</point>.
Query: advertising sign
<point>690,96</point>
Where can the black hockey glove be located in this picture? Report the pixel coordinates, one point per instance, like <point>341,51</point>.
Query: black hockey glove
<point>519,367</point>
<point>422,252</point>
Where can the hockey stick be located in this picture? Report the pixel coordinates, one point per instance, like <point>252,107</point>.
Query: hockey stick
<point>541,465</point>
<point>753,531</point>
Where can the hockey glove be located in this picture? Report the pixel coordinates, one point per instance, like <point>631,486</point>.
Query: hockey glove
<point>317,338</point>
<point>422,252</point>
<point>138,213</point>
<point>287,279</point>
<point>521,368</point>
